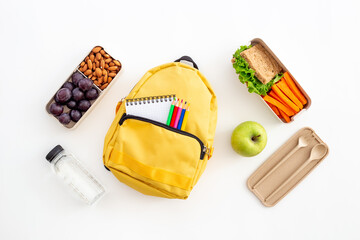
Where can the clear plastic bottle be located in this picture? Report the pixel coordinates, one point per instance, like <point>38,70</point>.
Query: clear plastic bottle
<point>75,175</point>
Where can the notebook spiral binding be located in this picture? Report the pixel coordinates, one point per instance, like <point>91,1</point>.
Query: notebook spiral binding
<point>148,100</point>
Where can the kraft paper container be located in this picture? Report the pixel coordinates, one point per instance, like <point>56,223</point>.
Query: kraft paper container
<point>101,93</point>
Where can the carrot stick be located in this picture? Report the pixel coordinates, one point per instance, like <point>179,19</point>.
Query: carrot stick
<point>294,89</point>
<point>286,90</point>
<point>278,104</point>
<point>276,97</point>
<point>275,109</point>
<point>278,92</point>
<point>273,95</point>
<point>286,117</point>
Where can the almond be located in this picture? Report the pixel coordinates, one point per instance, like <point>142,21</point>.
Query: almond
<point>106,66</point>
<point>112,74</point>
<point>93,78</point>
<point>89,63</point>
<point>108,60</point>
<point>105,77</point>
<point>106,56</point>
<point>109,79</point>
<point>97,83</point>
<point>96,49</point>
<point>113,68</point>
<point>98,56</point>
<point>102,52</point>
<point>90,76</point>
<point>97,63</point>
<point>100,80</point>
<point>92,57</point>
<point>98,72</point>
<point>104,72</point>
<point>117,63</point>
<point>88,72</point>
<point>111,64</point>
<point>94,67</point>
<point>104,86</point>
<point>82,64</point>
<point>102,63</point>
<point>84,68</point>
<point>87,58</point>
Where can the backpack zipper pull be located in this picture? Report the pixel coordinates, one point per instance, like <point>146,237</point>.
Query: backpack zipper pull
<point>208,150</point>
<point>119,104</point>
<point>204,150</point>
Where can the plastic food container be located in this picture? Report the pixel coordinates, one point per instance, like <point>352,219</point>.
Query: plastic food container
<point>101,93</point>
<point>307,105</point>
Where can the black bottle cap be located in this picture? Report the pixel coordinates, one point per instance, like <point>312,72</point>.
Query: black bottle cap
<point>52,154</point>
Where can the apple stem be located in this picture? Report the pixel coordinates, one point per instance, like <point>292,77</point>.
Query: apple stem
<point>255,137</point>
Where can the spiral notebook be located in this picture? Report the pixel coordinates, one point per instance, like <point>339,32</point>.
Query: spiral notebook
<point>155,107</point>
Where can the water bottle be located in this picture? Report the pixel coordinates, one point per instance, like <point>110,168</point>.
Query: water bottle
<point>67,167</point>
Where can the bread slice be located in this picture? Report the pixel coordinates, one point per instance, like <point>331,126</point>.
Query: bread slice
<point>264,65</point>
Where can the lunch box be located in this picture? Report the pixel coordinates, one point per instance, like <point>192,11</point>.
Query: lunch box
<point>101,93</point>
<point>308,104</point>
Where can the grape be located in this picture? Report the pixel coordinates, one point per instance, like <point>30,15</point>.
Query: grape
<point>91,94</point>
<point>71,104</point>
<point>63,95</point>
<point>56,109</point>
<point>77,94</point>
<point>76,77</point>
<point>68,85</point>
<point>84,105</point>
<point>85,84</point>
<point>64,118</point>
<point>75,115</point>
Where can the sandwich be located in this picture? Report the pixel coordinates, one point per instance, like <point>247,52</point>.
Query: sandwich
<point>263,75</point>
<point>256,68</point>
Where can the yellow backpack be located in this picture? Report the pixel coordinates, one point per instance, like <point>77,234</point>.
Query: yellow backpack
<point>152,157</point>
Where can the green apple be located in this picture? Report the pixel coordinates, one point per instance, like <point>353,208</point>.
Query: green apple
<point>248,139</point>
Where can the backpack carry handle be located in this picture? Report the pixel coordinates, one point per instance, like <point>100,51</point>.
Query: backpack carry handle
<point>188,59</point>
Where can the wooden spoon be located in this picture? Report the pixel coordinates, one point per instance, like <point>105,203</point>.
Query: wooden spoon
<point>317,152</point>
<point>302,142</point>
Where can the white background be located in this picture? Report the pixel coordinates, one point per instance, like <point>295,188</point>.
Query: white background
<point>43,41</point>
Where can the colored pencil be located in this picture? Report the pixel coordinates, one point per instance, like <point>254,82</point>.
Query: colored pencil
<point>174,113</point>
<point>182,116</point>
<point>185,118</point>
<point>171,112</point>
<point>178,114</point>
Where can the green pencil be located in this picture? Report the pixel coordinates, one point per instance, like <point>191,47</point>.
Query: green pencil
<point>171,112</point>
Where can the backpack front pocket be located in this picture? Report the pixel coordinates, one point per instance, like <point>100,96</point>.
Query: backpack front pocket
<point>157,152</point>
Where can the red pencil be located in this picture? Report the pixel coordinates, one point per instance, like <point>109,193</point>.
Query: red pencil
<point>172,123</point>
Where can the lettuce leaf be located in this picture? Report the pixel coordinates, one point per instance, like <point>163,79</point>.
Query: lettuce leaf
<point>247,75</point>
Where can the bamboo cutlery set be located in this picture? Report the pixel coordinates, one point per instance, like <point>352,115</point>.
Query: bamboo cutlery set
<point>291,163</point>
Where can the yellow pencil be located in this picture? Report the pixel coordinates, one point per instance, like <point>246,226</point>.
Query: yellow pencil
<point>185,117</point>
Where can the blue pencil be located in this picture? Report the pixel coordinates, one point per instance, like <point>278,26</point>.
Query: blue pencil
<point>181,117</point>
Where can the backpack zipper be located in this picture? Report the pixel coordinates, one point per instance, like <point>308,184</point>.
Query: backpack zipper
<point>203,148</point>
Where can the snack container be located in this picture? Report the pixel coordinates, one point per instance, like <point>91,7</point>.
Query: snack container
<point>101,93</point>
<point>308,104</point>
